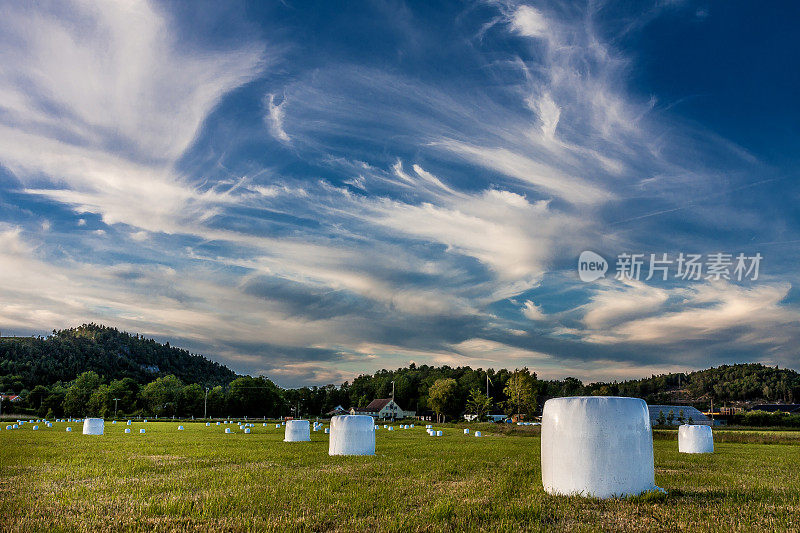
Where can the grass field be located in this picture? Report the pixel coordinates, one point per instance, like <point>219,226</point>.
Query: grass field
<point>203,479</point>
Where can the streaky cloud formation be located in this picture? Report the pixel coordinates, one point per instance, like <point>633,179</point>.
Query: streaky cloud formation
<point>295,193</point>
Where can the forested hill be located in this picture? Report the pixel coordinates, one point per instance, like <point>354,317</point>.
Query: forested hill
<point>26,362</point>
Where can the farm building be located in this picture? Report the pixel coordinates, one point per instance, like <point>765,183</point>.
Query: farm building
<point>338,410</point>
<point>383,408</point>
<point>676,410</point>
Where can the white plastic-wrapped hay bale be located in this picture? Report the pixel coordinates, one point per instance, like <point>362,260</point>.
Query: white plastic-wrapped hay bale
<point>297,431</point>
<point>466,431</point>
<point>141,431</point>
<point>208,424</point>
<point>695,439</point>
<point>227,430</point>
<point>439,433</point>
<point>129,422</point>
<point>247,430</point>
<point>35,428</point>
<point>180,428</point>
<point>113,422</point>
<point>327,430</point>
<point>93,426</point>
<point>217,423</point>
<point>127,430</point>
<point>597,446</point>
<point>69,429</point>
<point>352,435</point>
<point>277,426</point>
<point>477,433</point>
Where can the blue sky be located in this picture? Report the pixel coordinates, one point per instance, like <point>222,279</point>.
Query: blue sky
<point>312,191</point>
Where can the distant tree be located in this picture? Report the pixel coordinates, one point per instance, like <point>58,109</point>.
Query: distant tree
<point>521,393</point>
<point>442,397</point>
<point>98,404</point>
<point>662,420</point>
<point>670,417</point>
<point>163,395</point>
<point>690,421</point>
<point>680,416</point>
<point>258,396</point>
<point>478,404</point>
<point>76,399</point>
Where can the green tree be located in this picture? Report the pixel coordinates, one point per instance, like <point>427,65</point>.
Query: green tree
<point>442,396</point>
<point>192,399</point>
<point>163,395</point>
<point>662,420</point>
<point>478,404</point>
<point>80,390</point>
<point>258,396</point>
<point>98,402</point>
<point>521,393</point>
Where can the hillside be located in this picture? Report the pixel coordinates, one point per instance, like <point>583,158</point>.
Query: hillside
<point>26,362</point>
<point>740,384</point>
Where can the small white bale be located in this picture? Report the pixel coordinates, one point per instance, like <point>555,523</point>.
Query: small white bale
<point>129,422</point>
<point>180,428</point>
<point>352,435</point>
<point>35,428</point>
<point>695,439</point>
<point>69,429</point>
<point>597,446</point>
<point>429,426</point>
<point>277,426</point>
<point>127,430</point>
<point>141,431</point>
<point>391,428</point>
<point>217,423</point>
<point>376,426</point>
<point>16,426</point>
<point>208,424</point>
<point>327,430</point>
<point>264,424</point>
<point>297,431</point>
<point>466,431</point>
<point>227,430</point>
<point>477,433</point>
<point>93,426</point>
<point>247,430</point>
<point>439,433</point>
<point>113,421</point>
<point>412,426</point>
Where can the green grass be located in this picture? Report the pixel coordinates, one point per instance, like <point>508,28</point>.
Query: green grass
<point>203,479</point>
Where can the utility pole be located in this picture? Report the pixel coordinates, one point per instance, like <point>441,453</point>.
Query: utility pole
<point>115,406</point>
<point>392,390</point>
<point>205,405</point>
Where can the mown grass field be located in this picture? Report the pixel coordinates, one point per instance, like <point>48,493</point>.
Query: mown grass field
<point>202,479</point>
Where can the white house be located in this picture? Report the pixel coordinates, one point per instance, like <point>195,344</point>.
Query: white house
<point>383,408</point>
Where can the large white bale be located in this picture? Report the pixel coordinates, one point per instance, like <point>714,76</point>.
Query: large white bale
<point>597,446</point>
<point>695,439</point>
<point>93,426</point>
<point>352,435</point>
<point>297,431</point>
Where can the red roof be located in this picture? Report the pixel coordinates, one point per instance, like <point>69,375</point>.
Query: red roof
<point>11,397</point>
<point>377,405</point>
